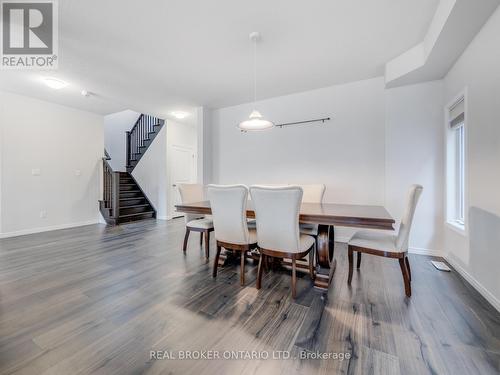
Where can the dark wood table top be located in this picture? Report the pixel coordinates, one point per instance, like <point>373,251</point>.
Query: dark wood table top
<point>346,215</point>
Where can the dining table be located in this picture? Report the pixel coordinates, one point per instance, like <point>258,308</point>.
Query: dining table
<point>327,216</point>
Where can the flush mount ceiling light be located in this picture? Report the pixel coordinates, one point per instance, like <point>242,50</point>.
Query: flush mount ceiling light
<point>255,121</point>
<point>180,115</point>
<point>54,83</point>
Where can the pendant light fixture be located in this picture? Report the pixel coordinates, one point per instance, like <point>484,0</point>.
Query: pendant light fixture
<point>255,121</point>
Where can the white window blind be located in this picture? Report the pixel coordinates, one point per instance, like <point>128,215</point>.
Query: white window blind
<point>457,114</point>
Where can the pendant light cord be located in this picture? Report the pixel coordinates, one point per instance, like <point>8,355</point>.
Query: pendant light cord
<point>254,71</point>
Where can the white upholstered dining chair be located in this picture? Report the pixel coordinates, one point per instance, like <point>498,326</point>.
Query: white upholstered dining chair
<point>388,245</point>
<point>251,222</point>
<point>277,212</point>
<point>313,193</point>
<point>191,193</point>
<point>229,207</point>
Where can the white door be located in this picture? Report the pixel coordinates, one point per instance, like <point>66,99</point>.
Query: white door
<point>182,171</point>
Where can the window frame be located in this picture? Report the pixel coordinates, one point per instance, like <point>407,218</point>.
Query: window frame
<point>456,168</point>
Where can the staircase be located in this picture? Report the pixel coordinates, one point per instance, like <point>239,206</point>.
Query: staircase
<point>133,204</point>
<point>140,137</point>
<point>123,199</point>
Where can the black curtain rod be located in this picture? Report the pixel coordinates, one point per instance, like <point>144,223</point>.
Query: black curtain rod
<point>303,122</point>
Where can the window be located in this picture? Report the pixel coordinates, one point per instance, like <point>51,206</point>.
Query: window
<point>460,175</point>
<point>456,164</point>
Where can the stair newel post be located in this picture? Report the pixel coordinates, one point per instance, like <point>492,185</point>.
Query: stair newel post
<point>129,156</point>
<point>115,204</point>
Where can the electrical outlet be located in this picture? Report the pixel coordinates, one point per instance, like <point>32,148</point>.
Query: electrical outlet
<point>78,172</point>
<point>43,214</point>
<point>35,172</point>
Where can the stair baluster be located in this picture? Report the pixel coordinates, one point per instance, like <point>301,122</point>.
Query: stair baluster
<point>140,137</point>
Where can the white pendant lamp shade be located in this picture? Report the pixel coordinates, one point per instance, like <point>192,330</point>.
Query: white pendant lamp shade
<point>255,122</point>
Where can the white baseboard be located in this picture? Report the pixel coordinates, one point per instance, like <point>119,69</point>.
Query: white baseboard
<point>48,229</point>
<point>495,302</point>
<point>411,250</point>
<point>429,252</point>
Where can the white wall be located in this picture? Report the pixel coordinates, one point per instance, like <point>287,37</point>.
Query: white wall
<point>59,141</point>
<point>204,145</point>
<point>115,126</point>
<point>477,254</point>
<point>414,154</point>
<point>151,173</point>
<point>346,153</point>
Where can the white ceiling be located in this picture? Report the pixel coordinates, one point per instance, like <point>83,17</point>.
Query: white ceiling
<point>157,56</point>
<point>453,27</point>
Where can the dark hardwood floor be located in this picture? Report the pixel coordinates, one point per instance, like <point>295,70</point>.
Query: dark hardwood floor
<point>98,299</point>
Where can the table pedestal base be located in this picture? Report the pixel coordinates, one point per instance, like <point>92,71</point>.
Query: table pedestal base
<point>325,251</point>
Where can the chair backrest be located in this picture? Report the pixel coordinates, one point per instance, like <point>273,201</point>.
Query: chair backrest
<point>191,193</point>
<point>229,205</point>
<point>313,193</point>
<point>277,212</point>
<point>268,185</point>
<point>402,240</point>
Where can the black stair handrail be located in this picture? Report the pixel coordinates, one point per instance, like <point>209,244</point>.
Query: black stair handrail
<point>145,129</point>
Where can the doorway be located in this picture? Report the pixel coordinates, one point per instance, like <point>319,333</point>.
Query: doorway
<point>182,171</point>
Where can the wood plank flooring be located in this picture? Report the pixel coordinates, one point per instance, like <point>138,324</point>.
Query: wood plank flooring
<point>97,300</point>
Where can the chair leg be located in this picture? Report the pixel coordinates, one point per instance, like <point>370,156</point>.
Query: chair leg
<point>407,262</point>
<point>201,238</point>
<point>406,279</point>
<point>259,270</point>
<point>349,256</point>
<point>216,261</point>
<point>207,244</point>
<point>294,279</point>
<point>186,236</point>
<point>266,263</point>
<point>242,268</point>
<point>359,260</point>
<point>311,263</point>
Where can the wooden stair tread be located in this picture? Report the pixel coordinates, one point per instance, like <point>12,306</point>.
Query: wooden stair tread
<point>137,214</point>
<point>135,205</point>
